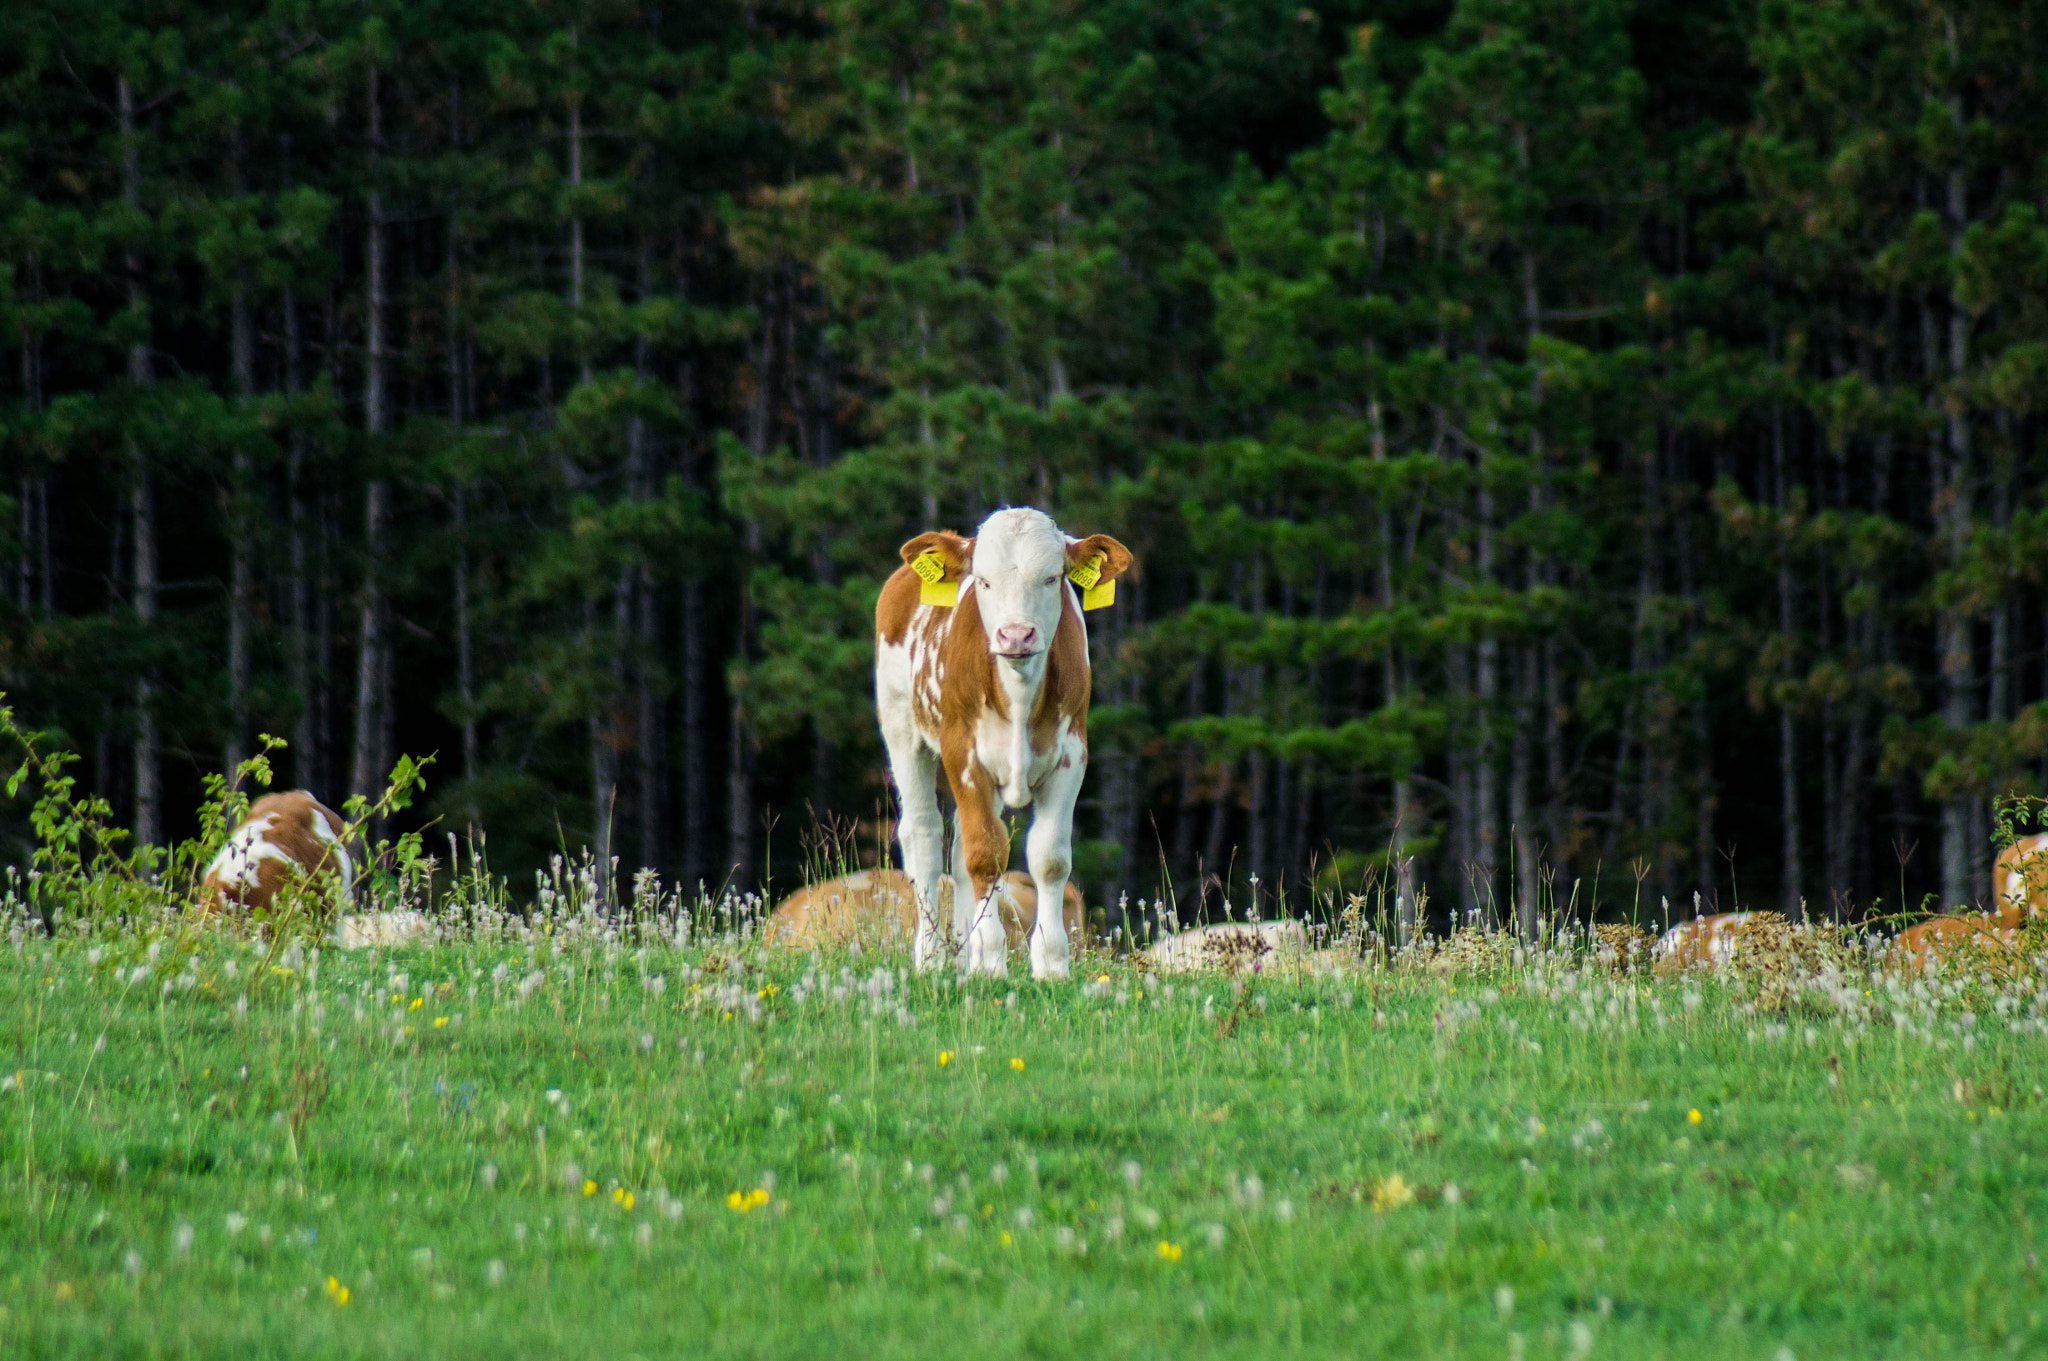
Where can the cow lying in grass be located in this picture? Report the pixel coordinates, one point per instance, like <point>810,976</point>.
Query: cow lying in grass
<point>1232,947</point>
<point>283,838</point>
<point>2019,886</point>
<point>981,674</point>
<point>879,907</point>
<point>1707,941</point>
<point>288,838</point>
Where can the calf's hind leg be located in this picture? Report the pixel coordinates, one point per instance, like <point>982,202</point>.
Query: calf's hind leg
<point>921,834</point>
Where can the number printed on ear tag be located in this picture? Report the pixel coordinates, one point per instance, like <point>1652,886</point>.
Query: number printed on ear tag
<point>1095,592</point>
<point>934,589</point>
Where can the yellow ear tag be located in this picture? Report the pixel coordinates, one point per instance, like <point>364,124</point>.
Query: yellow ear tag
<point>935,589</point>
<point>1095,592</point>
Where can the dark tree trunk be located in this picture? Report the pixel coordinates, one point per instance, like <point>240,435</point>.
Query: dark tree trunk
<point>366,768</point>
<point>148,828</point>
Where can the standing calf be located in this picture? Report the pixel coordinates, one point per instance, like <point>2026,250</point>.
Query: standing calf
<point>981,668</point>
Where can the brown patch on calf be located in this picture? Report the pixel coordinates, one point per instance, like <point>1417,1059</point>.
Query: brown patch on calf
<point>291,831</point>
<point>1068,681</point>
<point>898,602</point>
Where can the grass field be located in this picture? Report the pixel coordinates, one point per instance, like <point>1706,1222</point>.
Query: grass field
<point>583,1148</point>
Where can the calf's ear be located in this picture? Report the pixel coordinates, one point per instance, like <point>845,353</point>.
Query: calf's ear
<point>952,552</point>
<point>1094,564</point>
<point>940,560</point>
<point>1115,558</point>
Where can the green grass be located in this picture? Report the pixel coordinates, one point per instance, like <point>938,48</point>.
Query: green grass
<point>1850,1189</point>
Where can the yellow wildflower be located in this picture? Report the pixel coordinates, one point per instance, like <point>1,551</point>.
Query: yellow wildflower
<point>440,1021</point>
<point>1017,1064</point>
<point>1693,1115</point>
<point>743,1201</point>
<point>622,1198</point>
<point>417,1003</point>
<point>1006,1238</point>
<point>336,1291</point>
<point>589,1187</point>
<point>1168,1252</point>
<point>945,1057</point>
<point>1392,1192</point>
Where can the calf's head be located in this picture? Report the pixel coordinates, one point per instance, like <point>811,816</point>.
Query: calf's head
<point>1017,564</point>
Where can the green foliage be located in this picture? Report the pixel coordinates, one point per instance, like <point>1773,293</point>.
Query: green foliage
<point>1550,434</point>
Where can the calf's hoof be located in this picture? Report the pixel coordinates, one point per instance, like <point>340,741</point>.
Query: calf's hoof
<point>1049,965</point>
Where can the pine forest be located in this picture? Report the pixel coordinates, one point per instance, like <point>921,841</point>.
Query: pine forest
<point>1575,451</point>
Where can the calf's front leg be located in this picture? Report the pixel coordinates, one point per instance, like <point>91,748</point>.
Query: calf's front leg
<point>1049,851</point>
<point>984,850</point>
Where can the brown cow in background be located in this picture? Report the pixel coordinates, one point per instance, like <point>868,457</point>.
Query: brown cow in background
<point>281,836</point>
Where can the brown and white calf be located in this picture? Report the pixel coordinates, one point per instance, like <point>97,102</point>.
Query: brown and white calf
<point>283,835</point>
<point>2019,890</point>
<point>1703,942</point>
<point>981,671</point>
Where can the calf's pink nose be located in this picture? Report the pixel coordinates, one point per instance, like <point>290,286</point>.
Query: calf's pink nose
<point>1015,640</point>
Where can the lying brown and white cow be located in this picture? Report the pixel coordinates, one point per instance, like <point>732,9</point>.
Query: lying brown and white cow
<point>2019,887</point>
<point>879,907</point>
<point>1707,942</point>
<point>281,836</point>
<point>981,669</point>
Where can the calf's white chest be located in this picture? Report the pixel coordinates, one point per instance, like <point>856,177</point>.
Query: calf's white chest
<point>1004,749</point>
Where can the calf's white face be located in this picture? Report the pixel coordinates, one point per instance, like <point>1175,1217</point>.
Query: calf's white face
<point>1019,577</point>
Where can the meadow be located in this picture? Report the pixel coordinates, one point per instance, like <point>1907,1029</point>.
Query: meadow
<point>565,1137</point>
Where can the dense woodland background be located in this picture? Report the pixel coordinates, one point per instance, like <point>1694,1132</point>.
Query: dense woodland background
<point>1594,439</point>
